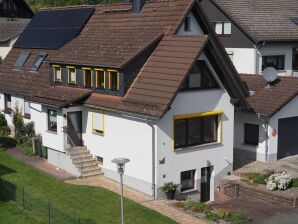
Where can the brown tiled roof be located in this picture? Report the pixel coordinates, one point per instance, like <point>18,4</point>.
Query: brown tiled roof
<point>264,20</point>
<point>112,39</point>
<point>11,28</point>
<point>159,80</point>
<point>267,99</point>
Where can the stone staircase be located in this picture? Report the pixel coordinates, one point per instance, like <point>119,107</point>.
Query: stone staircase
<point>84,161</point>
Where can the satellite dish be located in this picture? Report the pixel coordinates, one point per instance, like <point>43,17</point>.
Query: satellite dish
<point>270,74</point>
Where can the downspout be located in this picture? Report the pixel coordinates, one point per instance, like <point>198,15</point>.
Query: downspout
<point>153,157</point>
<point>266,123</point>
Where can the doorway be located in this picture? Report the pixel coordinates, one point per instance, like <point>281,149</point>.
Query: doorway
<point>205,183</point>
<point>74,126</point>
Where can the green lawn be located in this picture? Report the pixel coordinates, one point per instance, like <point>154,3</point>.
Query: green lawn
<point>11,214</point>
<point>92,204</point>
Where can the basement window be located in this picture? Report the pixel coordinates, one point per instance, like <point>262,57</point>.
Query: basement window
<point>187,180</point>
<point>251,134</point>
<point>21,60</point>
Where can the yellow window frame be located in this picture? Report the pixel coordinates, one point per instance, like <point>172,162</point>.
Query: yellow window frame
<point>104,76</point>
<point>219,113</point>
<point>118,78</point>
<point>68,74</point>
<point>98,131</point>
<point>84,75</point>
<point>55,68</point>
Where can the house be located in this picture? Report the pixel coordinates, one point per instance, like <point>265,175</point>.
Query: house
<point>145,81</point>
<point>257,34</point>
<point>270,131</point>
<point>14,16</point>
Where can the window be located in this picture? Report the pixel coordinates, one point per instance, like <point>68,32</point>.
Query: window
<point>251,134</point>
<point>52,120</point>
<point>7,103</point>
<point>88,83</point>
<point>187,24</point>
<point>195,130</point>
<point>275,61</point>
<point>187,180</point>
<point>223,28</point>
<point>57,73</point>
<point>200,78</point>
<point>100,79</point>
<point>27,110</point>
<point>37,63</point>
<point>21,60</point>
<point>114,80</point>
<point>295,59</point>
<point>72,77</point>
<point>98,122</point>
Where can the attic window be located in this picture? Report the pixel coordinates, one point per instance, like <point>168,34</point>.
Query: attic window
<point>21,60</point>
<point>38,61</point>
<point>295,20</point>
<point>223,28</point>
<point>187,24</point>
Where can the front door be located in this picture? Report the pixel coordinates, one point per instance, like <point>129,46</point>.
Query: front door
<point>205,184</point>
<point>74,123</point>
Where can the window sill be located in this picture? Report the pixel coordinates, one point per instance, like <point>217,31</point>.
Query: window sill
<point>97,133</point>
<point>189,191</point>
<point>197,146</point>
<point>52,132</point>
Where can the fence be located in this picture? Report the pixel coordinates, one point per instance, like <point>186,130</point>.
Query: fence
<point>43,210</point>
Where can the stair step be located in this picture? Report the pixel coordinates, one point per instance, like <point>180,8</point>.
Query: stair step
<point>83,159</point>
<point>92,174</point>
<point>77,152</point>
<point>80,156</point>
<point>91,170</point>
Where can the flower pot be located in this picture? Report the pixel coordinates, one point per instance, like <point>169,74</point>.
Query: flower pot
<point>171,195</point>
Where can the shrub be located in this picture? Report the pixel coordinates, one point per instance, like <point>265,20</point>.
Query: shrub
<point>4,131</point>
<point>7,142</point>
<point>26,147</point>
<point>3,121</point>
<point>278,181</point>
<point>168,187</point>
<point>237,217</point>
<point>212,216</point>
<point>256,177</point>
<point>294,182</point>
<point>223,213</point>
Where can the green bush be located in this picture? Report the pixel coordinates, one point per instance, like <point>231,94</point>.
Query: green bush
<point>237,217</point>
<point>3,121</point>
<point>26,148</point>
<point>294,182</point>
<point>223,213</point>
<point>256,177</point>
<point>7,142</point>
<point>212,216</point>
<point>4,131</point>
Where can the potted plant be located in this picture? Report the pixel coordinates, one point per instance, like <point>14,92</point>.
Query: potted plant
<point>170,190</point>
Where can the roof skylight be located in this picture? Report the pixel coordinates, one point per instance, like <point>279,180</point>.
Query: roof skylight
<point>38,61</point>
<point>21,60</point>
<point>295,20</point>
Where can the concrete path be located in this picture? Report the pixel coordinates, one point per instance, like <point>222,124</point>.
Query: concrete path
<point>157,205</point>
<point>40,164</point>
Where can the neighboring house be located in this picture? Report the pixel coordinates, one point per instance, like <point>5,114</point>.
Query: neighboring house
<point>257,34</point>
<point>14,16</point>
<point>270,133</point>
<point>151,84</point>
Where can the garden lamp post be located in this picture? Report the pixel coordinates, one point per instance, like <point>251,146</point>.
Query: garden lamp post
<point>120,163</point>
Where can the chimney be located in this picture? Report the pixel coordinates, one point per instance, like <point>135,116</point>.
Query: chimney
<point>137,5</point>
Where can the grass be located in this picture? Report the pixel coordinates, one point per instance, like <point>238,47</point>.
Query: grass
<point>10,213</point>
<point>90,203</point>
<point>256,177</point>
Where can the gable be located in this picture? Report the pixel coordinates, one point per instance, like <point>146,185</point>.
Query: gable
<point>194,27</point>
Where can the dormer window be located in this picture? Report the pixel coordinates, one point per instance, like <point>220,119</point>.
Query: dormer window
<point>100,79</point>
<point>72,77</point>
<point>187,24</point>
<point>200,78</point>
<point>114,80</point>
<point>21,60</point>
<point>57,73</point>
<point>87,77</point>
<point>38,61</point>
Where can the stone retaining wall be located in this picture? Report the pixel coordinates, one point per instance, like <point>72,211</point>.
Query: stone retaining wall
<point>237,189</point>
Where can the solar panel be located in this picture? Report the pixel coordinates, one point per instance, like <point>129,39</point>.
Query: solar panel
<point>36,64</point>
<point>53,29</point>
<point>21,60</point>
<point>295,20</point>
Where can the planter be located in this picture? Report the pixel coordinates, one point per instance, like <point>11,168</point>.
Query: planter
<point>171,195</point>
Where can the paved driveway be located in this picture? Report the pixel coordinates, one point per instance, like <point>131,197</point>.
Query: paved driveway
<point>289,217</point>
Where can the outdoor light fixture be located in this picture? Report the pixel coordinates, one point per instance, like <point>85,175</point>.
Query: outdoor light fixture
<point>120,162</point>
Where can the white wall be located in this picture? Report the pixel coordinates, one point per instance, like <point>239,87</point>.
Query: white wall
<point>195,28</point>
<point>244,59</point>
<point>5,47</point>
